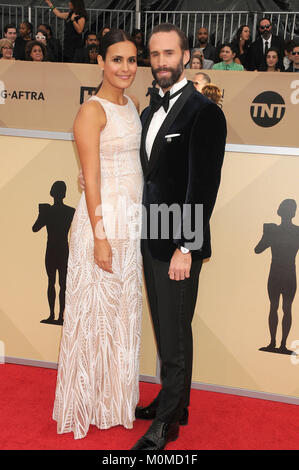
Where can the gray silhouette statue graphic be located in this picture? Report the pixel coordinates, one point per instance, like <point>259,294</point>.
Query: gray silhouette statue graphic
<point>283,240</point>
<point>57,219</point>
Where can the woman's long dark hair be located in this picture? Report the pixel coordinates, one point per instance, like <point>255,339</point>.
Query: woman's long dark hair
<point>264,66</point>
<point>237,38</point>
<point>79,8</point>
<point>112,37</point>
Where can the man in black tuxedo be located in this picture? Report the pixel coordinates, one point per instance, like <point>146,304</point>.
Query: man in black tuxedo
<point>182,150</point>
<point>260,47</point>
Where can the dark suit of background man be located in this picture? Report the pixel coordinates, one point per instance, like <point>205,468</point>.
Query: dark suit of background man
<point>260,47</point>
<point>183,168</point>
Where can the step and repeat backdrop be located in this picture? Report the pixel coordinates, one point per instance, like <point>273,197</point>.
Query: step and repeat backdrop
<point>247,290</point>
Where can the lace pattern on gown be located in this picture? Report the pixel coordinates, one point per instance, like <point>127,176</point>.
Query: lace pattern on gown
<point>98,372</point>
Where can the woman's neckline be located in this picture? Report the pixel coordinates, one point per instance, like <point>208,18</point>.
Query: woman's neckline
<point>115,104</point>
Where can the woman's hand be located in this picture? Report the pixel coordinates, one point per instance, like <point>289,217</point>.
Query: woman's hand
<point>73,16</point>
<point>103,255</point>
<point>49,3</point>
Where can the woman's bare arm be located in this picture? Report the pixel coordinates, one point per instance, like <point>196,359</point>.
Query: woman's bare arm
<point>57,12</point>
<point>89,122</point>
<point>78,25</point>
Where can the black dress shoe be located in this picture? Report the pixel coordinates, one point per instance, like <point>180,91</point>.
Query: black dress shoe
<point>157,436</point>
<point>149,412</point>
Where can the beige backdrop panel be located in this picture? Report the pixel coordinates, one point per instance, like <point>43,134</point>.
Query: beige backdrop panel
<point>62,86</point>
<point>29,167</point>
<point>231,319</point>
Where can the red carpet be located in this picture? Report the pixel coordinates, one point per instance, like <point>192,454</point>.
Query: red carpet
<point>217,421</point>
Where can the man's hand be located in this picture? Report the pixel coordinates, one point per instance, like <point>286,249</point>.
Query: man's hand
<point>180,265</point>
<point>81,180</point>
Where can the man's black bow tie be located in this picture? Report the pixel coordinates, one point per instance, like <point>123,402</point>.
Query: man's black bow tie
<point>156,100</point>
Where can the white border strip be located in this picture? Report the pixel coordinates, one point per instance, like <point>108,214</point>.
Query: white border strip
<point>36,134</point>
<point>195,385</point>
<point>240,148</point>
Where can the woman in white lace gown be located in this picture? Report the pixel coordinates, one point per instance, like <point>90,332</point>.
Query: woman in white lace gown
<point>97,381</point>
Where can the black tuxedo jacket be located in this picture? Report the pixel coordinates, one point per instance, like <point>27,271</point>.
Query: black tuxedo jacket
<point>256,52</point>
<point>184,169</point>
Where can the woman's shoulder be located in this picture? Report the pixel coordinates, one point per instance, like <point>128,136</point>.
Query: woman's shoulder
<point>93,109</point>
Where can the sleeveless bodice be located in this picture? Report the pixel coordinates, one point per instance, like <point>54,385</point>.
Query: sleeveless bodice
<point>120,139</point>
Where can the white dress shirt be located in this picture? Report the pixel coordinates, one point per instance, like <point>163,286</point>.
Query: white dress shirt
<point>268,41</point>
<point>160,115</point>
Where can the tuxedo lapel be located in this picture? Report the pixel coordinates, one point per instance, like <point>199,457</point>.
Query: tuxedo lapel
<point>143,155</point>
<point>170,118</point>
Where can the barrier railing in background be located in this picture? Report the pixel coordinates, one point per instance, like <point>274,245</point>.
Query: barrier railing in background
<point>222,25</point>
<point>285,24</point>
<point>11,14</point>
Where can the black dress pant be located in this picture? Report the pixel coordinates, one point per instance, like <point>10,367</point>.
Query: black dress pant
<point>172,305</point>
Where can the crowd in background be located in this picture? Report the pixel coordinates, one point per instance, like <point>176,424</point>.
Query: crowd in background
<point>269,53</point>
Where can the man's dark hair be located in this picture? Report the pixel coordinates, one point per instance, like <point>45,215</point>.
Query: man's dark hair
<point>89,33</point>
<point>288,45</point>
<point>8,26</point>
<point>262,19</point>
<point>296,44</point>
<point>166,28</point>
<point>231,45</point>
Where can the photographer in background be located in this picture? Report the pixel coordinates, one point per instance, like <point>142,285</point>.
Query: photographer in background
<point>75,20</point>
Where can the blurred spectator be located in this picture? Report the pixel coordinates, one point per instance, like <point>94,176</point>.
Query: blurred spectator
<point>25,35</point>
<point>81,55</point>
<point>288,47</point>
<point>75,20</point>
<point>294,66</point>
<point>10,32</point>
<point>41,37</point>
<point>142,54</point>
<point>200,80</point>
<point>102,33</point>
<point>206,63</point>
<point>227,55</point>
<point>35,51</point>
<point>241,44</point>
<point>92,53</point>
<point>6,49</point>
<point>53,43</point>
<point>260,47</point>
<point>271,61</point>
<point>196,61</point>
<point>212,92</point>
<point>204,45</point>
